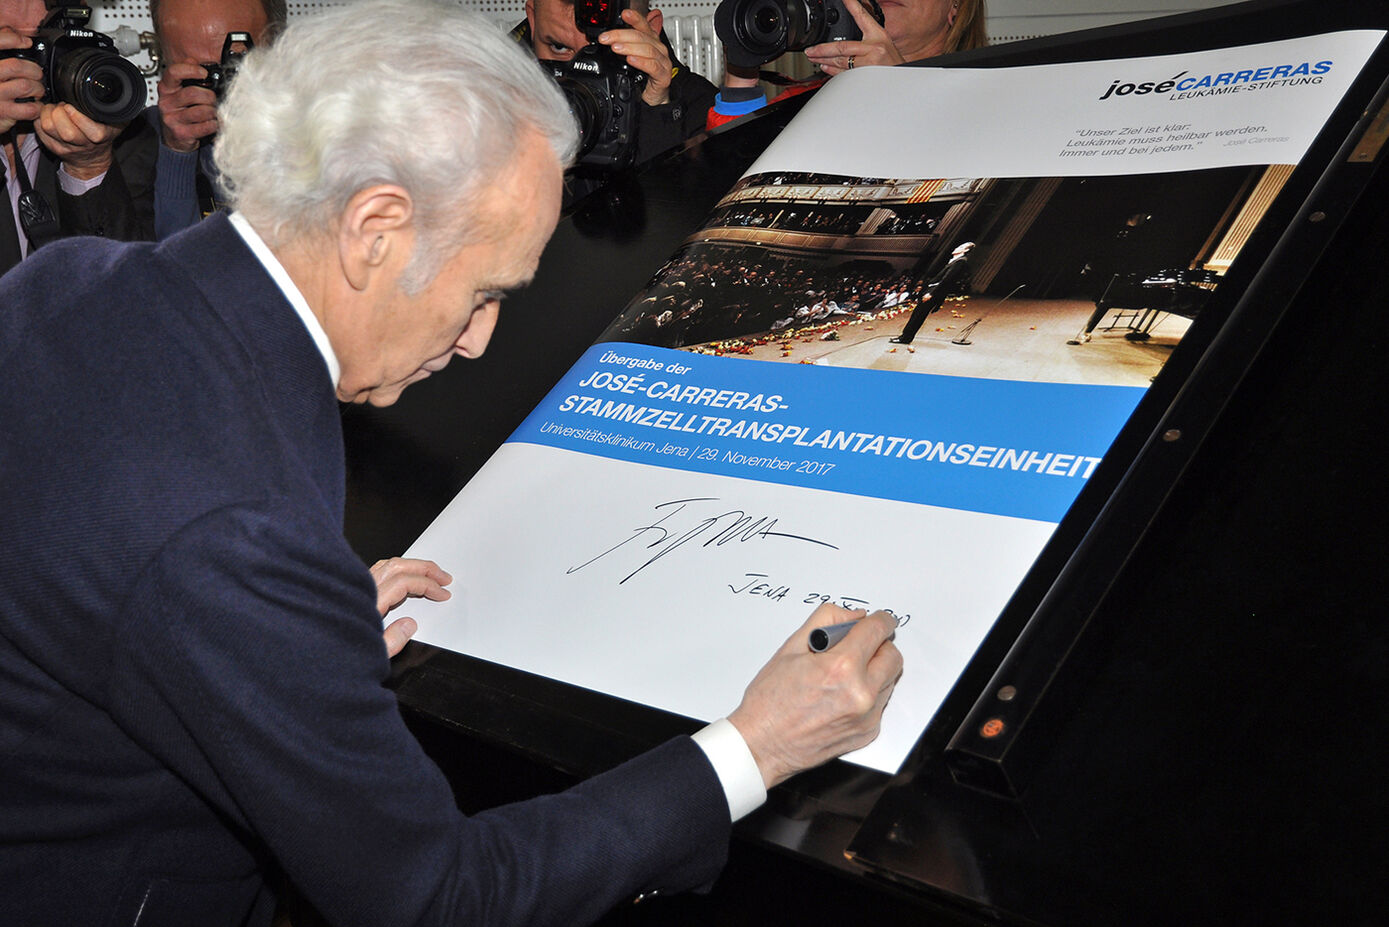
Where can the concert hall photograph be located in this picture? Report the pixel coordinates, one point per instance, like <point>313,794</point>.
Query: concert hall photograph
<point>1064,279</point>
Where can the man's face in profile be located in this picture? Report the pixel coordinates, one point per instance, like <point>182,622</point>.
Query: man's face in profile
<point>409,336</point>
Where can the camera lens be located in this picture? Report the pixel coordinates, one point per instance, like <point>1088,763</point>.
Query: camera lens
<point>587,110</point>
<point>101,84</point>
<point>756,31</point>
<point>766,20</point>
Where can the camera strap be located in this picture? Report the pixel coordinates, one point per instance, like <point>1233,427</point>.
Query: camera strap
<point>36,216</point>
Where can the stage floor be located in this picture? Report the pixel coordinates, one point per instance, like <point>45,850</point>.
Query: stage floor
<point>1015,339</point>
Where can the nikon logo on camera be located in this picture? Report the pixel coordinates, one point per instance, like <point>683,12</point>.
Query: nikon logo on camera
<point>582,64</point>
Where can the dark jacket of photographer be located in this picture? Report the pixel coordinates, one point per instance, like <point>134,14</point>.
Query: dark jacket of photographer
<point>120,207</point>
<point>659,128</point>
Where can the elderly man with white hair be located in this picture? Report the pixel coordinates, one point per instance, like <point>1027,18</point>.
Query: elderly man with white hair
<point>192,706</point>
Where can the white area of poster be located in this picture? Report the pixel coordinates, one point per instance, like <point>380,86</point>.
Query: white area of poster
<point>1257,104</point>
<point>686,627</point>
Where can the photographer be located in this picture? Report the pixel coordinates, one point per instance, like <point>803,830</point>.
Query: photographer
<point>63,156</point>
<point>912,30</point>
<point>674,100</point>
<point>191,34</point>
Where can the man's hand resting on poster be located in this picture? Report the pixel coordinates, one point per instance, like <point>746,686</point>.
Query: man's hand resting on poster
<point>401,578</point>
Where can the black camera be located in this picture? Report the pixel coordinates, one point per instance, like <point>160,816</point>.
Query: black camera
<point>754,32</point>
<point>220,73</point>
<point>81,67</point>
<point>603,90</point>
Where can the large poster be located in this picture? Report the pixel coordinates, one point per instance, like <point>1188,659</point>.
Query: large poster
<point>878,375</point>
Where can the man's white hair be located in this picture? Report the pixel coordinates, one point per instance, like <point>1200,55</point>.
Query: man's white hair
<point>412,92</point>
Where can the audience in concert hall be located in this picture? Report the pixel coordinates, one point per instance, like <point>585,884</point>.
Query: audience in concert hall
<point>57,161</point>
<point>718,290</point>
<point>847,220</point>
<point>912,30</point>
<point>773,293</point>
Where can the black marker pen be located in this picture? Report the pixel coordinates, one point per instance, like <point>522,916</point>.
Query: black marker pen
<point>822,639</point>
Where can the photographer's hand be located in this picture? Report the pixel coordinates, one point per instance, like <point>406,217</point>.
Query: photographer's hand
<point>875,48</point>
<point>187,115</point>
<point>19,79</point>
<point>82,144</point>
<point>641,45</point>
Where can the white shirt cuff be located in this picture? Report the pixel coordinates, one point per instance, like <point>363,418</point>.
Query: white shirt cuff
<point>74,187</point>
<point>728,753</point>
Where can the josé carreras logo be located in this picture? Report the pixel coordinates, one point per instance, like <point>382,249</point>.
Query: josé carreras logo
<point>1184,86</point>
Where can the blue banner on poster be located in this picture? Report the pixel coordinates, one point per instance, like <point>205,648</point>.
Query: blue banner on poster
<point>1002,447</point>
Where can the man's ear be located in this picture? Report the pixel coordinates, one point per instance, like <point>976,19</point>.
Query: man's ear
<point>655,20</point>
<point>375,232</point>
<point>530,16</point>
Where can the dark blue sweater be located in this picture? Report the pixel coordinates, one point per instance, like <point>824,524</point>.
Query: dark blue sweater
<point>191,664</point>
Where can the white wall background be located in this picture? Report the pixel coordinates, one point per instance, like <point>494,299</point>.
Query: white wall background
<point>691,20</point>
<point>1011,20</point>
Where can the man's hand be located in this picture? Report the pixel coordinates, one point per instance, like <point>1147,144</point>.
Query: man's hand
<point>82,144</point>
<point>875,48</point>
<point>19,79</point>
<point>398,579</point>
<point>805,708</point>
<point>187,115</point>
<point>641,45</point>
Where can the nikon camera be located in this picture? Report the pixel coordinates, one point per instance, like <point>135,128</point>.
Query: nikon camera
<point>603,90</point>
<point>754,32</point>
<point>81,67</point>
<point>220,73</point>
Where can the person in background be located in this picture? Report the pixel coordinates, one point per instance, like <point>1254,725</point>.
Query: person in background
<point>912,30</point>
<point>673,102</point>
<point>191,34</point>
<point>86,174</point>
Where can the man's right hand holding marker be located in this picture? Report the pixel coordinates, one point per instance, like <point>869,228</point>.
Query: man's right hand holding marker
<point>804,709</point>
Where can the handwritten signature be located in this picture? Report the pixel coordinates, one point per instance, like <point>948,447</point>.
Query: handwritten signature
<point>666,535</point>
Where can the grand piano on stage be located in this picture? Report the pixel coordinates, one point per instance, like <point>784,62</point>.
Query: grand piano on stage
<point>1178,717</point>
<point>1143,299</point>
